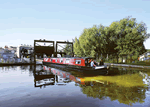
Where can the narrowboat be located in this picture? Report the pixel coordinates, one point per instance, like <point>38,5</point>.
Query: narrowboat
<point>76,63</point>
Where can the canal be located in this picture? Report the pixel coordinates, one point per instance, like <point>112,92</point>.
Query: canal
<point>42,86</point>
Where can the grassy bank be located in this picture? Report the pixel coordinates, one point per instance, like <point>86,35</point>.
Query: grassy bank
<point>142,63</point>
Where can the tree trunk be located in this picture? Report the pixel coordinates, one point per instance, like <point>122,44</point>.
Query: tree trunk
<point>113,58</point>
<point>130,58</point>
<point>117,58</point>
<point>107,56</point>
<point>122,59</point>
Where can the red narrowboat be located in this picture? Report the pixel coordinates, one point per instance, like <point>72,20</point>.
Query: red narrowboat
<point>76,63</point>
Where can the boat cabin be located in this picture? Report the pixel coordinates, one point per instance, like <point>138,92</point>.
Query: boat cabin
<point>78,61</point>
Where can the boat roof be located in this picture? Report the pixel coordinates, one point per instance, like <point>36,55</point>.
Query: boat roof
<point>75,57</point>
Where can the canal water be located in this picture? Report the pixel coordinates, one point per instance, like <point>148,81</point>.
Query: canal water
<point>42,86</point>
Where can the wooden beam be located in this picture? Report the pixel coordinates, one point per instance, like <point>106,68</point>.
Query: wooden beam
<point>43,41</point>
<point>64,42</point>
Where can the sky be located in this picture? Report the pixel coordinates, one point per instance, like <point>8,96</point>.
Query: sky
<point>23,21</point>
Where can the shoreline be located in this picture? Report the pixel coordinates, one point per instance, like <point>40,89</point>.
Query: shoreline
<point>127,65</point>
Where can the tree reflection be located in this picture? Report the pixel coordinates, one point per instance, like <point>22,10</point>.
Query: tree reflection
<point>126,95</point>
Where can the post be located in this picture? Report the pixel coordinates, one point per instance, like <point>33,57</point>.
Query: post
<point>117,58</point>
<point>34,53</point>
<point>107,57</point>
<point>126,58</point>
<point>34,74</point>
<point>56,49</point>
<point>72,49</point>
<point>30,58</point>
<point>130,58</point>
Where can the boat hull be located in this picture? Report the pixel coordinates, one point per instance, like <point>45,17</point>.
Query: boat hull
<point>78,68</point>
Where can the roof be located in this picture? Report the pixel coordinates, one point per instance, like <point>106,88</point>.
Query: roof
<point>89,57</point>
<point>75,57</point>
<point>24,46</point>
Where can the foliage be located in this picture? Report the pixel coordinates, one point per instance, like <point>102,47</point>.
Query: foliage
<point>122,38</point>
<point>77,48</point>
<point>68,49</point>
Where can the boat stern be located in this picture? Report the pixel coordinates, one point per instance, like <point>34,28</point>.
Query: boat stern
<point>101,67</point>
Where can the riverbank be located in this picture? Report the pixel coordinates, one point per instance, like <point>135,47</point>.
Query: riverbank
<point>127,65</point>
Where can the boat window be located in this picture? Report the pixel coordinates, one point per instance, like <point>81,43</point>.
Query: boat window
<point>78,61</point>
<point>67,60</point>
<point>56,60</point>
<point>61,60</point>
<point>51,60</point>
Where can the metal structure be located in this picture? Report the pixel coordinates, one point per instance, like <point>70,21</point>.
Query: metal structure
<point>43,78</point>
<point>59,42</point>
<point>22,49</point>
<point>48,50</point>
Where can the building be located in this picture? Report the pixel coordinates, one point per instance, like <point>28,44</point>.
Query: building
<point>12,49</point>
<point>144,56</point>
<point>1,52</point>
<point>21,47</point>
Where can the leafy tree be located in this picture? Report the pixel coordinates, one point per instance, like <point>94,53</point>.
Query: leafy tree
<point>131,36</point>
<point>77,48</point>
<point>68,49</point>
<point>121,38</point>
<point>86,42</point>
<point>111,38</point>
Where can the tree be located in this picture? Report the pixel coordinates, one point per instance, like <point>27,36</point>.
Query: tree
<point>68,49</point>
<point>86,42</point>
<point>111,38</point>
<point>77,48</point>
<point>124,37</point>
<point>93,41</point>
<point>131,36</point>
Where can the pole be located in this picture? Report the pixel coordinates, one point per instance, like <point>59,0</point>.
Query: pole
<point>34,53</point>
<point>72,49</point>
<point>56,49</point>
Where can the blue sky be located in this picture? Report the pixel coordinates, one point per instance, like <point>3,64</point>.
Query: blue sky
<point>22,21</point>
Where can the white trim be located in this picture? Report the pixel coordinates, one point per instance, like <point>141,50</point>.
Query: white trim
<point>67,60</point>
<point>76,62</point>
<point>99,67</point>
<point>46,59</point>
<point>61,60</point>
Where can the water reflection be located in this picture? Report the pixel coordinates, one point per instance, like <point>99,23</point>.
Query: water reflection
<point>7,68</point>
<point>125,95</point>
<point>50,76</point>
<point>121,84</point>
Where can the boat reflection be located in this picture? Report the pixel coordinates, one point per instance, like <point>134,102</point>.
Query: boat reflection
<point>50,76</point>
<point>119,76</point>
<point>45,75</point>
